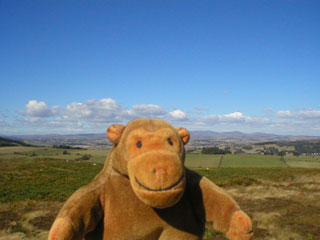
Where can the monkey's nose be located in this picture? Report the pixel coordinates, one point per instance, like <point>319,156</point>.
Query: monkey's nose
<point>160,172</point>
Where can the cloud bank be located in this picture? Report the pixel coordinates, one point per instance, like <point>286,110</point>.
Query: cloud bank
<point>91,115</point>
<point>39,109</point>
<point>95,115</point>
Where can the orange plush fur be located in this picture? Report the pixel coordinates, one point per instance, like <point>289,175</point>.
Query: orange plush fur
<point>145,192</point>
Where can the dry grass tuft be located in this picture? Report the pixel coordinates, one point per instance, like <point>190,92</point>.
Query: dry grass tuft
<point>287,210</point>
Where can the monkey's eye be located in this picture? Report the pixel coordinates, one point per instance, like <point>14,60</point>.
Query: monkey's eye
<point>170,141</point>
<point>139,144</point>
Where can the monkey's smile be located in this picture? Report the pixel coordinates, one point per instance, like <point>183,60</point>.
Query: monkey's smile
<point>161,189</point>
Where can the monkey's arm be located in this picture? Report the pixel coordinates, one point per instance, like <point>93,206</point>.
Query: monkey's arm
<point>220,211</point>
<point>80,214</point>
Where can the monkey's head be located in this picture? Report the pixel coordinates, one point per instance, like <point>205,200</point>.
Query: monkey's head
<point>151,153</point>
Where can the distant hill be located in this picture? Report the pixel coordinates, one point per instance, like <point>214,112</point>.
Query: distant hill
<point>59,137</point>
<point>6,142</point>
<point>90,141</point>
<point>197,138</point>
<point>241,137</point>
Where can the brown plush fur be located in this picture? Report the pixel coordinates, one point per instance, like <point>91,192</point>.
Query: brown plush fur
<point>145,192</point>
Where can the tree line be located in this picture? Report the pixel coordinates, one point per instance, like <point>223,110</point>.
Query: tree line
<point>215,150</point>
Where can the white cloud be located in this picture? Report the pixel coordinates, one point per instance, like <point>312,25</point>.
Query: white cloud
<point>109,111</point>
<point>105,110</point>
<point>95,115</point>
<point>230,117</point>
<point>92,114</point>
<point>234,118</point>
<point>39,109</point>
<point>39,123</point>
<point>302,114</point>
<point>155,111</point>
<point>309,114</point>
<point>178,115</point>
<point>305,121</point>
<point>32,120</point>
<point>285,114</point>
<point>148,111</point>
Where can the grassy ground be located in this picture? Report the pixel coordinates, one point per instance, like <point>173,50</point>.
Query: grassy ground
<point>282,201</point>
<point>303,161</point>
<point>197,160</point>
<point>45,178</point>
<point>303,158</point>
<point>250,160</point>
<point>97,156</point>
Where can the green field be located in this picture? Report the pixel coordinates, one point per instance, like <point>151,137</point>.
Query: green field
<point>303,158</point>
<point>303,161</point>
<point>50,173</point>
<point>97,156</point>
<point>55,179</point>
<point>250,160</point>
<point>197,160</point>
<point>193,160</point>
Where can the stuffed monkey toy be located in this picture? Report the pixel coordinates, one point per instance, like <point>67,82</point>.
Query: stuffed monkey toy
<point>145,192</point>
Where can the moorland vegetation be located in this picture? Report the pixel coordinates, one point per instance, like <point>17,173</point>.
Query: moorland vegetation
<point>280,193</point>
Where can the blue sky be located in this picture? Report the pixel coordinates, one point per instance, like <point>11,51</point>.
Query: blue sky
<point>78,66</point>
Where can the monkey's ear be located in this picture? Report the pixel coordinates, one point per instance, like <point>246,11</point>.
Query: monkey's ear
<point>184,134</point>
<point>114,132</point>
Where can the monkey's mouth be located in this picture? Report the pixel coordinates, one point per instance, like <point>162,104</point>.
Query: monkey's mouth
<point>161,189</point>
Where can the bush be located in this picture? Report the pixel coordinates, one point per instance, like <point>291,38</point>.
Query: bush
<point>84,157</point>
<point>239,151</point>
<point>296,153</point>
<point>271,151</point>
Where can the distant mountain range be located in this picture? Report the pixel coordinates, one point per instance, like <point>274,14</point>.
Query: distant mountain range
<point>246,137</point>
<point>196,136</point>
<point>59,137</point>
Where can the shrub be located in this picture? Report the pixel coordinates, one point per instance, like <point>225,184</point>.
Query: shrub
<point>84,157</point>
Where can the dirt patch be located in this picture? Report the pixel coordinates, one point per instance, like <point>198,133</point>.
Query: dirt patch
<point>7,218</point>
<point>260,233</point>
<point>27,219</point>
<point>42,222</point>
